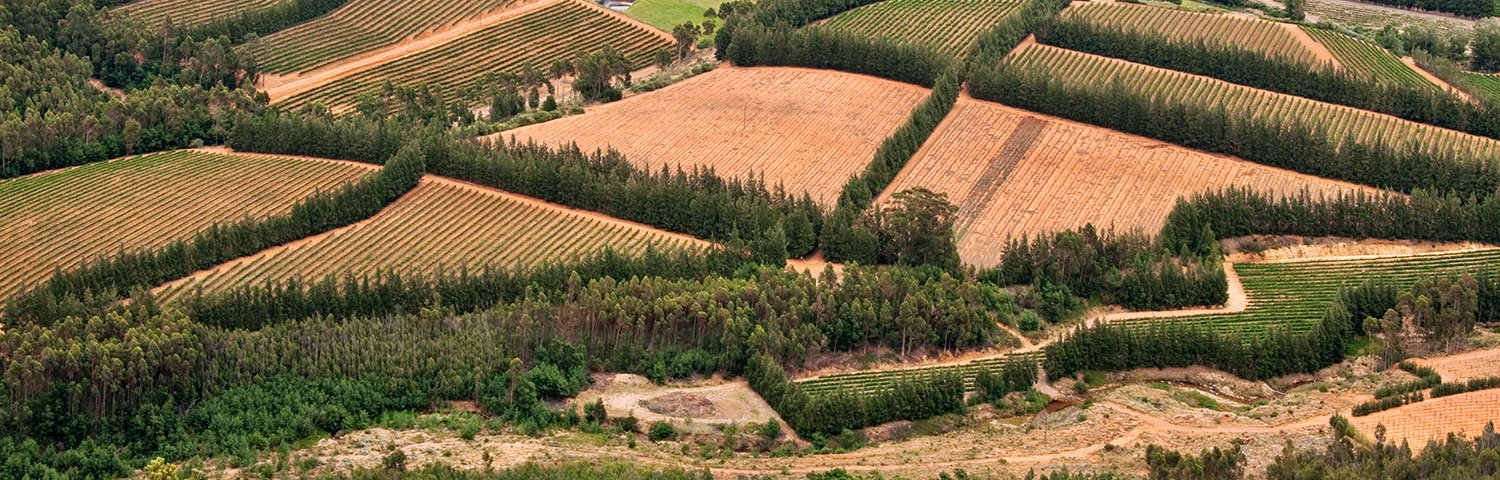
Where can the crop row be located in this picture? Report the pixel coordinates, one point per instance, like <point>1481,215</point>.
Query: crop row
<point>875,380</point>
<point>948,27</point>
<point>557,31</point>
<point>1295,295</point>
<point>1367,59</point>
<point>438,227</point>
<point>1488,84</point>
<point>190,12</point>
<point>1344,123</point>
<point>1181,25</point>
<point>59,220</point>
<point>362,26</point>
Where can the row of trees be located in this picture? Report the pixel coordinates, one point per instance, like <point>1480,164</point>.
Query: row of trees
<point>1123,269</point>
<point>1160,344</point>
<point>101,281</point>
<point>1235,212</point>
<point>919,229</point>
<point>1209,125</point>
<point>782,45</point>
<point>699,203</point>
<point>254,23</point>
<point>914,398</point>
<point>1263,70</point>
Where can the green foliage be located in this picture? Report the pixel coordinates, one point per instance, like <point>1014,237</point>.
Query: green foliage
<point>1123,269</point>
<point>849,235</point>
<point>1474,384</point>
<point>1454,457</point>
<point>1427,378</point>
<point>1486,46</point>
<point>1014,377</point>
<point>1210,464</point>
<point>259,22</point>
<point>1259,69</point>
<point>1208,125</point>
<point>662,431</point>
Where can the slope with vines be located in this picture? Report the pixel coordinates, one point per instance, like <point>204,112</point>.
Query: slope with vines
<point>946,26</point>
<point>361,26</point>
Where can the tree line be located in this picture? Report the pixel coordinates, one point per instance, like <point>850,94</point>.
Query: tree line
<point>1263,70</point>
<point>912,398</point>
<point>1122,269</point>
<point>697,202</point>
<point>1235,212</point>
<point>101,281</point>
<point>1166,343</point>
<point>1209,125</point>
<point>254,23</point>
<point>854,233</point>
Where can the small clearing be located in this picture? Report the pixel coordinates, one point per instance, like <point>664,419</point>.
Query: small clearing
<point>696,408</point>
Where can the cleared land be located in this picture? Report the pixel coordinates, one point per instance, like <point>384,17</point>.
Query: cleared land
<point>60,219</point>
<point>947,26</point>
<point>1434,419</point>
<point>1368,128</point>
<point>666,14</point>
<point>1296,294</point>
<point>442,225</point>
<point>186,13</point>
<point>807,130</point>
<point>1466,366</point>
<point>1368,59</point>
<point>1013,173</point>
<point>559,30</point>
<point>1218,29</point>
<point>361,26</point>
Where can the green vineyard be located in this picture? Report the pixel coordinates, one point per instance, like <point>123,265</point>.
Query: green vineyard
<point>1180,25</point>
<point>1488,85</point>
<point>440,226</point>
<point>557,31</point>
<point>1367,59</point>
<point>186,13</point>
<point>1295,295</point>
<point>361,26</point>
<point>875,380</point>
<point>58,220</point>
<point>948,27</point>
<point>1345,123</point>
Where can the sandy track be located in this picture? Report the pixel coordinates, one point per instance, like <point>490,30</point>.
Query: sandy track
<point>1319,50</point>
<point>281,87</point>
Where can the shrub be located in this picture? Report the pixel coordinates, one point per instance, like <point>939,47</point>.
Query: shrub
<point>662,431</point>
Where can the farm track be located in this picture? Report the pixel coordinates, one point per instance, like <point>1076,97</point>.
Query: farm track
<point>557,30</point>
<point>279,87</point>
<point>1015,173</point>
<point>144,202</point>
<point>806,130</point>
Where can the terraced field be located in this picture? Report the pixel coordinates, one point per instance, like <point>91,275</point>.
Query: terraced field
<point>807,130</point>
<point>187,13</point>
<point>60,219</point>
<point>559,30</point>
<point>1296,294</point>
<point>947,26</point>
<point>1368,128</point>
<point>1015,173</point>
<point>1367,59</point>
<point>361,26</point>
<point>441,225</point>
<point>875,380</point>
<point>1180,25</point>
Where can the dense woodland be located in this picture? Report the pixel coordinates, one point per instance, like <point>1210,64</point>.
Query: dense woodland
<point>1236,212</point>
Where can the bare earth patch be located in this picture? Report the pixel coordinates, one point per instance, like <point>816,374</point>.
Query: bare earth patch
<point>696,408</point>
<point>1284,248</point>
<point>808,130</point>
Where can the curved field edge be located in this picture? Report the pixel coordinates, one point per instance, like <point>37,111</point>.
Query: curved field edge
<point>443,225</point>
<point>64,218</point>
